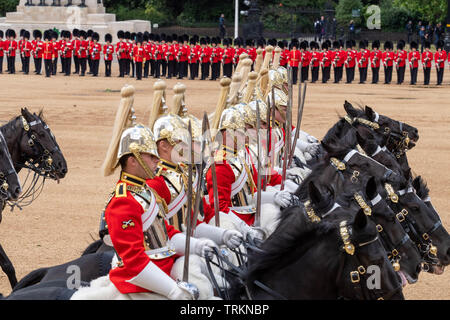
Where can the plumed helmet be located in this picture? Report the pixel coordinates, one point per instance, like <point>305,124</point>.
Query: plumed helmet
<point>262,112</point>
<point>128,137</point>
<point>231,119</point>
<point>281,98</point>
<point>137,138</point>
<point>172,128</point>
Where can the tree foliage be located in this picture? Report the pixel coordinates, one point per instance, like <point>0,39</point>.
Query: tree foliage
<point>428,10</point>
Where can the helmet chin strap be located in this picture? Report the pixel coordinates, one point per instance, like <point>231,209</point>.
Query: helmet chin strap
<point>134,148</point>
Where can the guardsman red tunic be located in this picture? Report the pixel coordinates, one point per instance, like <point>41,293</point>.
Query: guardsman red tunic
<point>284,57</point>
<point>316,57</point>
<point>11,47</point>
<point>350,62</point>
<point>252,53</point>
<point>439,58</point>
<point>2,48</point>
<point>139,54</point>
<point>388,58</point>
<point>76,45</point>
<point>375,58</point>
<point>327,58</point>
<point>96,49</point>
<point>27,48</point>
<point>363,57</point>
<point>67,49</point>
<point>108,51</point>
<point>127,220</point>
<point>294,58</point>
<point>228,55</point>
<point>306,58</point>
<point>38,49</point>
<point>400,58</point>
<point>121,49</point>
<point>427,59</point>
<point>205,55</point>
<point>48,51</point>
<point>414,58</point>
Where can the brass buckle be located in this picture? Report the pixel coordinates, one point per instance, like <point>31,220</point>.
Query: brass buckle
<point>395,252</point>
<point>400,217</point>
<point>404,211</point>
<point>379,228</point>
<point>361,270</point>
<point>354,277</point>
<point>425,236</point>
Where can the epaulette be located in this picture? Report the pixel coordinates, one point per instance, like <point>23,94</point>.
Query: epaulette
<point>121,190</point>
<point>159,171</point>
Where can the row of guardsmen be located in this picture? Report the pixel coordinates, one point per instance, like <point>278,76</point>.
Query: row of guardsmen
<point>142,55</point>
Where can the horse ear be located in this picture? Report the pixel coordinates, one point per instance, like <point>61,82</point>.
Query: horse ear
<point>360,221</point>
<point>314,193</point>
<point>371,188</point>
<point>26,114</point>
<point>351,111</point>
<point>416,182</point>
<point>370,113</point>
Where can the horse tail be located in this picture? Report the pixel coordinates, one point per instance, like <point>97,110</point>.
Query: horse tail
<point>31,279</point>
<point>93,247</point>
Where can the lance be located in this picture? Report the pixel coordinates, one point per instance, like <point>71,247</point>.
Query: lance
<point>189,208</point>
<point>287,130</point>
<point>213,172</point>
<point>258,186</point>
<point>200,168</point>
<point>301,104</point>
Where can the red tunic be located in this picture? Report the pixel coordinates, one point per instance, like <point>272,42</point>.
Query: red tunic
<point>440,58</point>
<point>294,58</point>
<point>129,242</point>
<point>427,58</point>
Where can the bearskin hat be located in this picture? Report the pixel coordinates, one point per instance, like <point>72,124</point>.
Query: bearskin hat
<point>47,34</point>
<point>440,44</point>
<point>108,37</point>
<point>37,34</point>
<point>427,44</point>
<point>281,44</point>
<point>95,36</point>
<point>90,33</point>
<point>388,45</point>
<point>376,44</point>
<point>127,35</point>
<point>163,37</point>
<point>401,44</point>
<point>413,45</point>
<point>1,34</point>
<point>362,44</point>
<point>336,45</point>
<point>120,34</point>
<point>325,45</point>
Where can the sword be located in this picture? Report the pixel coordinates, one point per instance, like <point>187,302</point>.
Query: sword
<point>287,130</point>
<point>213,172</point>
<point>200,170</point>
<point>301,104</point>
<point>267,140</point>
<point>258,186</point>
<point>189,208</point>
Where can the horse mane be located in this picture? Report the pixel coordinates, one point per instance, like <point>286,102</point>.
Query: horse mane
<point>291,239</point>
<point>421,187</point>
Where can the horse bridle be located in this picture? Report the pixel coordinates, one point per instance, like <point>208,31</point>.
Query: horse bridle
<point>4,175</point>
<point>44,167</point>
<point>341,166</point>
<point>359,271</point>
<point>422,239</point>
<point>400,139</point>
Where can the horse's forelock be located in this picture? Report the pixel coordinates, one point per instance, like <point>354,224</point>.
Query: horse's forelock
<point>421,187</point>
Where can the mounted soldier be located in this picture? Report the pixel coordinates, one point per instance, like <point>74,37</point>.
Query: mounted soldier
<point>146,246</point>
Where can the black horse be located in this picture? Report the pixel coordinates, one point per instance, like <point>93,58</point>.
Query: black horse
<point>32,146</point>
<point>401,251</point>
<point>10,190</point>
<point>331,259</point>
